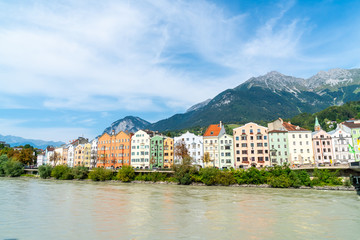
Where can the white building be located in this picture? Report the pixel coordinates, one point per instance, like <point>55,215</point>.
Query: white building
<point>94,156</point>
<point>140,149</point>
<point>340,142</point>
<point>211,143</point>
<point>194,145</point>
<point>71,153</point>
<point>40,160</point>
<point>299,139</point>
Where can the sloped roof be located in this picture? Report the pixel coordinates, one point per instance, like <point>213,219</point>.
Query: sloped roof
<point>290,127</point>
<point>212,130</point>
<point>352,124</point>
<point>277,131</point>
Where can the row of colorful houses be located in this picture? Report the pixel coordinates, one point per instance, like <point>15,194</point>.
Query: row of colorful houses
<point>250,145</point>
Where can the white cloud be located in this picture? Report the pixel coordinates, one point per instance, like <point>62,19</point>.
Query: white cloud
<point>110,55</point>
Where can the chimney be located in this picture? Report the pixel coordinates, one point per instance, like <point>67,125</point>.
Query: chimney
<point>220,124</point>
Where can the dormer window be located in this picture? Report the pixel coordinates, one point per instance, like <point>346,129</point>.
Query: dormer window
<point>211,133</point>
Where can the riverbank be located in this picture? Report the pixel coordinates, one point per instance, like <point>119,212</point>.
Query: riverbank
<point>330,188</point>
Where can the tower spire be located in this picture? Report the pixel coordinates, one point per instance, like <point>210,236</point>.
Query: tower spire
<point>317,126</point>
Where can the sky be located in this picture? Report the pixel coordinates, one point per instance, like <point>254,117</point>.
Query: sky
<point>71,68</point>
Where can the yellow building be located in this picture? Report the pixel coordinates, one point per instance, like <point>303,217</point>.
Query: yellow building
<point>79,155</point>
<point>168,152</point>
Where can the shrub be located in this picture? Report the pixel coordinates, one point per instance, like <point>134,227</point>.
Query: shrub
<point>304,178</point>
<point>254,176</point>
<point>209,175</point>
<point>80,172</point>
<point>62,172</point>
<point>13,168</point>
<point>325,177</point>
<point>101,174</point>
<point>126,174</point>
<point>45,171</point>
<point>225,178</point>
<point>347,183</point>
<point>184,172</point>
<point>281,181</point>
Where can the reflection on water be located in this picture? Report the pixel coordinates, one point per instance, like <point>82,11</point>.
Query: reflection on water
<point>40,209</point>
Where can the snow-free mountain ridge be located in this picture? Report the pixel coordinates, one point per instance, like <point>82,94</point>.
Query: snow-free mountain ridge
<point>19,141</point>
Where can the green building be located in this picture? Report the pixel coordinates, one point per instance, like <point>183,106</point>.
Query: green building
<point>353,127</point>
<point>157,151</point>
<point>278,147</point>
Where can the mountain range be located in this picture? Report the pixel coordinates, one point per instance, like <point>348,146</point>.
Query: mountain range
<point>19,141</point>
<point>262,98</point>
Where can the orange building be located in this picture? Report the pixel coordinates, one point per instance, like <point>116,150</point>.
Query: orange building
<point>168,152</point>
<point>114,150</point>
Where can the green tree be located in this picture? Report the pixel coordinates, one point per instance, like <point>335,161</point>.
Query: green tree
<point>101,174</point>
<point>126,174</point>
<point>45,171</point>
<point>80,172</point>
<point>13,168</point>
<point>62,172</point>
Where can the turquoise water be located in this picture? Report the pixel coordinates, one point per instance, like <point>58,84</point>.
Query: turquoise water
<point>48,209</point>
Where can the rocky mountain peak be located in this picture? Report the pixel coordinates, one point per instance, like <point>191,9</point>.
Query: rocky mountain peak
<point>128,123</point>
<point>330,78</point>
<point>277,82</point>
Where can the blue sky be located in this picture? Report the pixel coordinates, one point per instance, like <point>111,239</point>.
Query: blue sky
<point>71,68</point>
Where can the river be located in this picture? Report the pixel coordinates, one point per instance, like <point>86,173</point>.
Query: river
<point>50,209</point>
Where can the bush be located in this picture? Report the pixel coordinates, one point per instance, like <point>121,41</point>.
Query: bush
<point>45,171</point>
<point>13,168</point>
<point>324,177</point>
<point>80,172</point>
<point>225,178</point>
<point>126,174</point>
<point>62,172</point>
<point>254,176</point>
<point>152,177</point>
<point>281,181</point>
<point>347,183</point>
<point>3,159</point>
<point>184,172</point>
<point>101,174</point>
<point>209,175</point>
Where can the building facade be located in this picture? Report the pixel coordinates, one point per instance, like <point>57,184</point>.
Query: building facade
<point>157,152</point>
<point>211,143</point>
<point>353,127</point>
<point>341,141</point>
<point>226,152</point>
<point>322,146</point>
<point>140,149</point>
<point>194,145</point>
<point>251,146</point>
<point>168,152</point>
<point>113,150</point>
<point>278,147</point>
<point>299,141</point>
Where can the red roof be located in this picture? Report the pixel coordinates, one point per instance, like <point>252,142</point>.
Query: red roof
<point>212,130</point>
<point>290,127</point>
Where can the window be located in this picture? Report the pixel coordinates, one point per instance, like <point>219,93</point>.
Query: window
<point>237,138</point>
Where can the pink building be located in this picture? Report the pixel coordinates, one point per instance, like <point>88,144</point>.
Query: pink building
<point>251,146</point>
<point>323,148</point>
